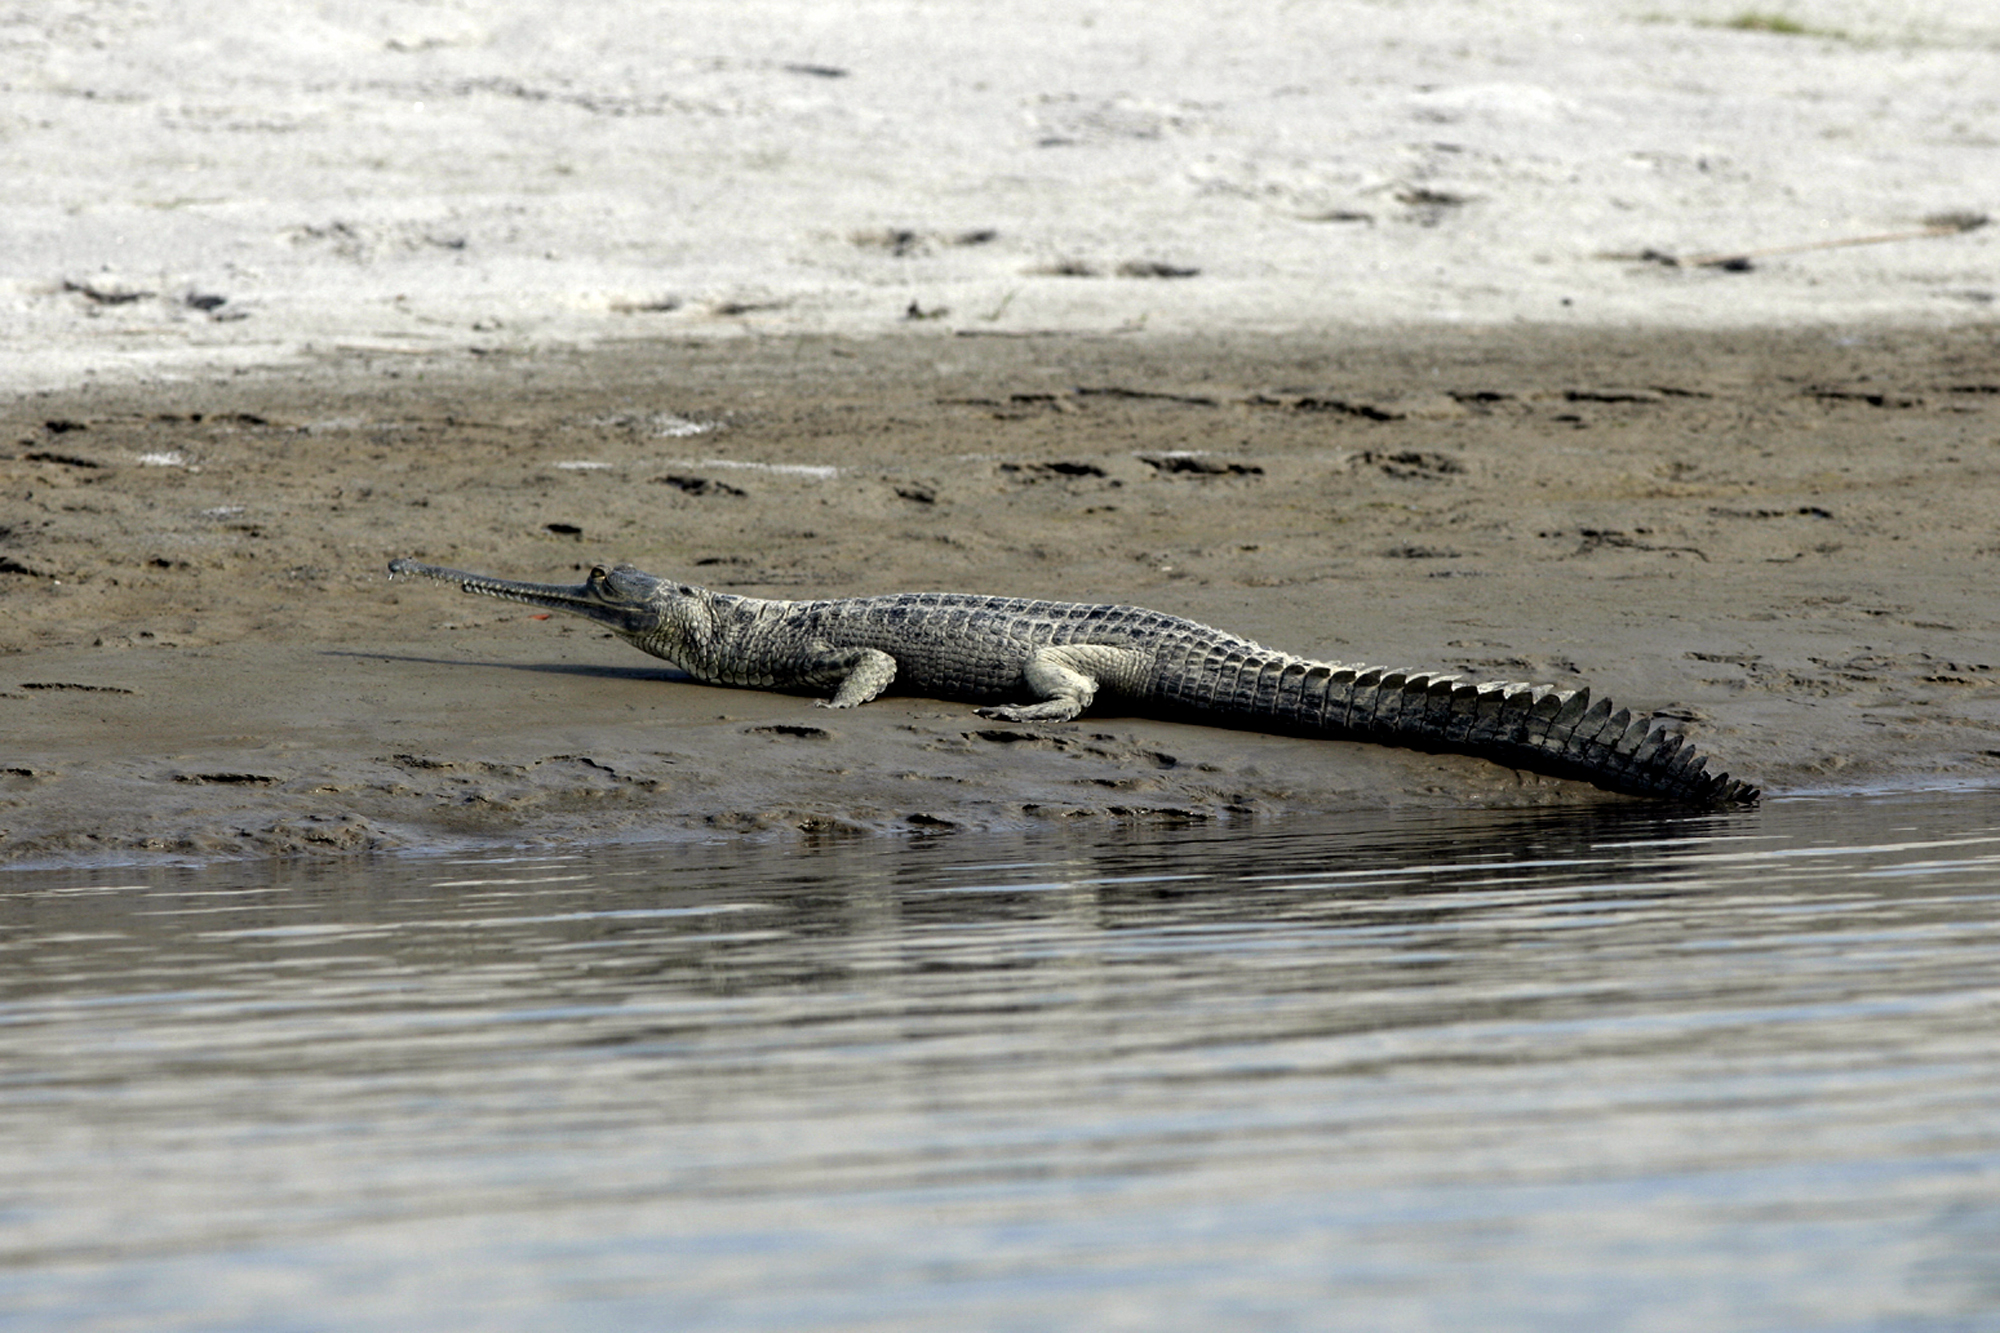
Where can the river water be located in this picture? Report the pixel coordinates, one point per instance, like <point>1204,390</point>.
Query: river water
<point>1486,1071</point>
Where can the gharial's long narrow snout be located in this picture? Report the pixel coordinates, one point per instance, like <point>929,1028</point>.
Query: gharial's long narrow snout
<point>620,598</point>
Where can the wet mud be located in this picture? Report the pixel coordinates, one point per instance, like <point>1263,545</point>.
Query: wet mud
<point>1785,541</point>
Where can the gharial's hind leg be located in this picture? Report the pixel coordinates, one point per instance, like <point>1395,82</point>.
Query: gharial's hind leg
<point>1066,679</point>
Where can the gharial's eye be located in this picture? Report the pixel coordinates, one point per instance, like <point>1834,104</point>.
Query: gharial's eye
<point>598,573</point>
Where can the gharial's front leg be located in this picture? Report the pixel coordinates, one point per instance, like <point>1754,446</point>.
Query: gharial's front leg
<point>857,674</point>
<point>1066,679</point>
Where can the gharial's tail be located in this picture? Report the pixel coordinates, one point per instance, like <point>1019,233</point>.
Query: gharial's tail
<point>1537,727</point>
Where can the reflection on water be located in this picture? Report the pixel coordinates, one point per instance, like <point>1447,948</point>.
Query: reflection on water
<point>1545,1071</point>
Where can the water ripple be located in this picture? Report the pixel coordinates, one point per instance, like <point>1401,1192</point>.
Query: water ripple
<point>1543,1071</point>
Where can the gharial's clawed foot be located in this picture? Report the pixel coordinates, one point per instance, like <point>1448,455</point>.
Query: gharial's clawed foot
<point>1049,710</point>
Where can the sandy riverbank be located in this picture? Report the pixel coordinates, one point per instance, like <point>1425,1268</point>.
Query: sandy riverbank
<point>1785,539</point>
<point>1375,331</point>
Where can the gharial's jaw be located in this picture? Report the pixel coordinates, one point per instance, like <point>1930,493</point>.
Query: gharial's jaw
<point>621,599</point>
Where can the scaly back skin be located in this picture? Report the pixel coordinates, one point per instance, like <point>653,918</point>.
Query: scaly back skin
<point>951,645</point>
<point>977,648</point>
<point>966,646</point>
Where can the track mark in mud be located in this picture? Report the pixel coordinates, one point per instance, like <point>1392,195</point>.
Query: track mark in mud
<point>73,685</point>
<point>1870,667</point>
<point>1169,815</point>
<point>474,767</point>
<point>1129,268</point>
<point>697,485</point>
<point>903,242</point>
<point>419,761</point>
<point>1597,539</point>
<point>1016,406</point>
<point>1803,511</point>
<point>812,822</point>
<point>326,833</point>
<point>1026,404</point>
<point>792,729</point>
<point>1146,395</point>
<point>583,759</point>
<point>1410,464</point>
<point>1198,465</point>
<point>646,305</point>
<point>1860,673</point>
<point>730,309</point>
<point>65,460</point>
<point>1009,736</point>
<point>1451,403</point>
<point>1872,397</point>
<point>1067,471</point>
<point>228,779</point>
<point>1123,784</point>
<point>1165,816</point>
<point>1613,396</point>
<point>1347,407</point>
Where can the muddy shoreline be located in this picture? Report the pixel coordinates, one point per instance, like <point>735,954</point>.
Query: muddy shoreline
<point>1784,539</point>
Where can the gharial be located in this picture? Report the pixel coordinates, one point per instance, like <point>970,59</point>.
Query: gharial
<point>1036,661</point>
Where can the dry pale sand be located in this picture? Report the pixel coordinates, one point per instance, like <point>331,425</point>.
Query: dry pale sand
<point>200,184</point>
<point>1786,540</point>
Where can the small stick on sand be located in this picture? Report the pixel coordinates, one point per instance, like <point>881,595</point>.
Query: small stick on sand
<point>1937,224</point>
